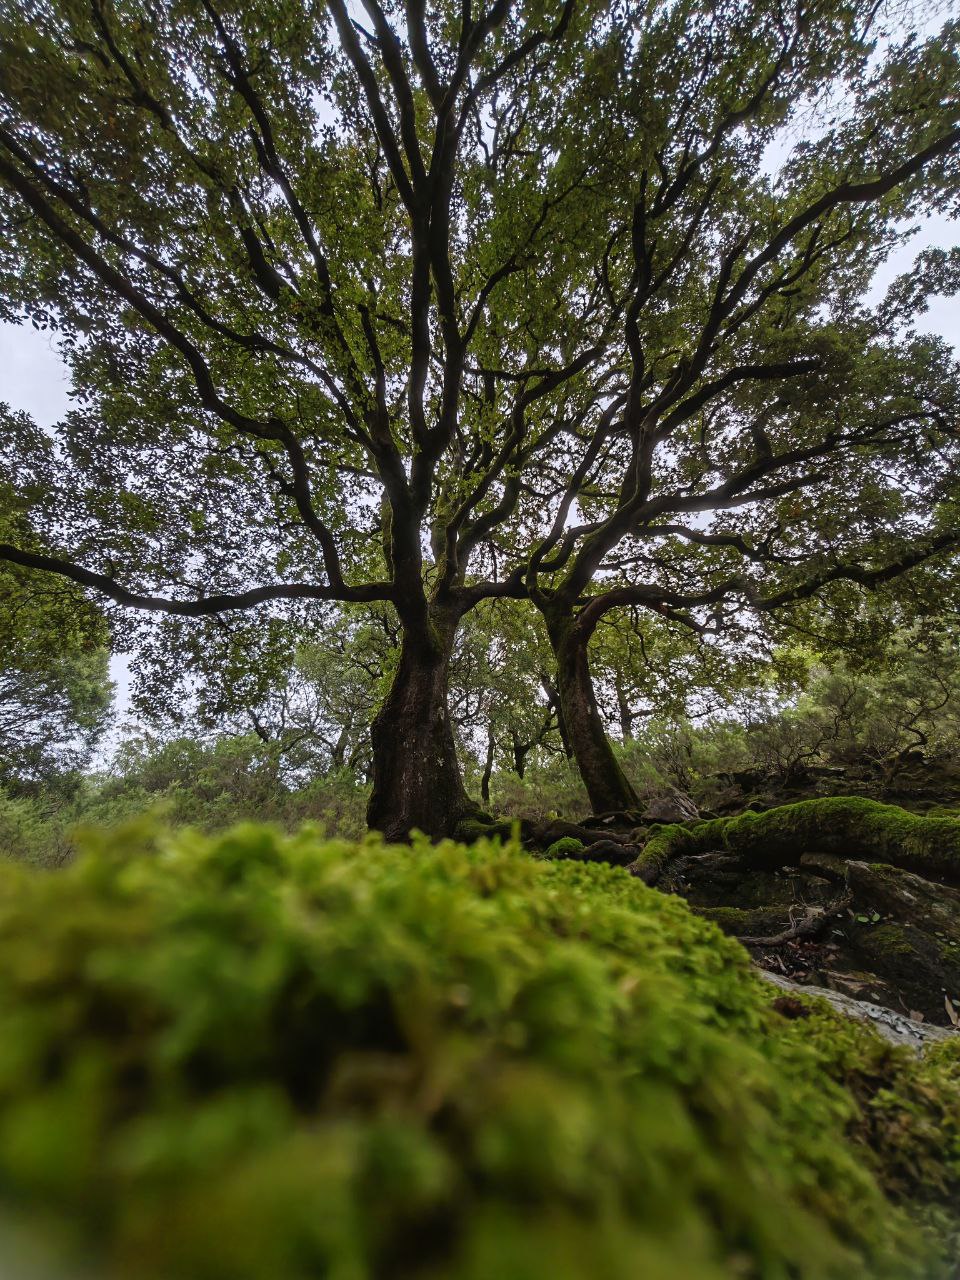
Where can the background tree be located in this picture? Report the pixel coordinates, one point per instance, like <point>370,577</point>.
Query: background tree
<point>431,308</point>
<point>55,691</point>
<point>503,697</point>
<point>308,687</point>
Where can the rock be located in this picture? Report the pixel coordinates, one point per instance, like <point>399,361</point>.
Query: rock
<point>620,855</point>
<point>903,929</point>
<point>671,806</point>
<point>893,1026</point>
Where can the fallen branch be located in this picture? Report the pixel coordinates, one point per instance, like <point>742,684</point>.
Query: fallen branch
<point>813,923</point>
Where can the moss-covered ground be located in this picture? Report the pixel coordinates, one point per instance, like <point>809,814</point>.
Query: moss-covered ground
<point>850,825</point>
<point>257,1057</point>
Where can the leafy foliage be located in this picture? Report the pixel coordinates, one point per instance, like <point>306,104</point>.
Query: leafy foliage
<point>55,693</point>
<point>252,1056</point>
<point>878,723</point>
<point>565,304</point>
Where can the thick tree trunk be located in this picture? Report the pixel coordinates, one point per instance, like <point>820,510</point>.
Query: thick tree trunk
<point>606,784</point>
<point>417,784</point>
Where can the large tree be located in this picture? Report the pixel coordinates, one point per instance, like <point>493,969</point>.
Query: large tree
<point>427,306</point>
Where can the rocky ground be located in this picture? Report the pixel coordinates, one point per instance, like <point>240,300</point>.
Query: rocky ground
<point>846,920</point>
<point>867,930</point>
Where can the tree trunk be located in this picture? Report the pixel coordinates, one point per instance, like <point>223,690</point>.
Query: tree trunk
<point>339,750</point>
<point>487,768</point>
<point>520,751</point>
<point>417,784</point>
<point>553,701</point>
<point>606,784</point>
<point>626,715</point>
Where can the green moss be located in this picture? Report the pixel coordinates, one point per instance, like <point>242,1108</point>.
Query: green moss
<point>254,1057</point>
<point>851,825</point>
<point>891,940</point>
<point>565,847</point>
<point>470,830</point>
<point>745,921</point>
<point>905,1107</point>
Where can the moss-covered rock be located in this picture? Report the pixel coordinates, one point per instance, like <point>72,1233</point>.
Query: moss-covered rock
<point>255,1057</point>
<point>565,847</point>
<point>849,825</point>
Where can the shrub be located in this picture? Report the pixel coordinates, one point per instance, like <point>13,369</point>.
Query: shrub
<point>255,1056</point>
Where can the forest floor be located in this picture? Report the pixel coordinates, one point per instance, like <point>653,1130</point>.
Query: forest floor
<point>867,930</point>
<point>843,919</point>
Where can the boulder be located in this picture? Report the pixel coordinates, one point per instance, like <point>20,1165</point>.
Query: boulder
<point>671,805</point>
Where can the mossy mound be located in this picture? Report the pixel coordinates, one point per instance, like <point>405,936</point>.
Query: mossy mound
<point>257,1057</point>
<point>849,825</point>
<point>565,847</point>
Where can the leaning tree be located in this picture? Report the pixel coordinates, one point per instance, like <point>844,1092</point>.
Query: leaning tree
<point>428,306</point>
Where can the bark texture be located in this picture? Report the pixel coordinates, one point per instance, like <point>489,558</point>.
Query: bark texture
<point>417,783</point>
<point>607,785</point>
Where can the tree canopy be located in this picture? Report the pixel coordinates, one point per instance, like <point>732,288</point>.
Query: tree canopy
<point>566,303</point>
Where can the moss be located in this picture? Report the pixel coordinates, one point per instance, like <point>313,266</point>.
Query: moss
<point>891,939</point>
<point>565,847</point>
<point>745,921</point>
<point>469,830</point>
<point>850,825</point>
<point>905,1114</point>
<point>255,1056</point>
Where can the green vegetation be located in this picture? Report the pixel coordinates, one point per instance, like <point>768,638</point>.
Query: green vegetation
<point>209,786</point>
<point>551,309</point>
<point>452,384</point>
<point>850,825</point>
<point>565,847</point>
<point>257,1056</point>
<point>54,690</point>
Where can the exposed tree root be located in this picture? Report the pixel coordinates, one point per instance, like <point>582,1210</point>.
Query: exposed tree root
<point>849,825</point>
<point>559,839</point>
<point>610,851</point>
<point>812,924</point>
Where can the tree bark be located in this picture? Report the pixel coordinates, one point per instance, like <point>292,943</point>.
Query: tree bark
<point>520,751</point>
<point>417,783</point>
<point>626,715</point>
<point>487,768</point>
<point>553,701</point>
<point>607,785</point>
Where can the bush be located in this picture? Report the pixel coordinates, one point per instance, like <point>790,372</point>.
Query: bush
<point>255,1057</point>
<point>32,832</point>
<point>210,786</point>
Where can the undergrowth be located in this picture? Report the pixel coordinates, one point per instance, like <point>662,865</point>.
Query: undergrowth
<point>256,1056</point>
